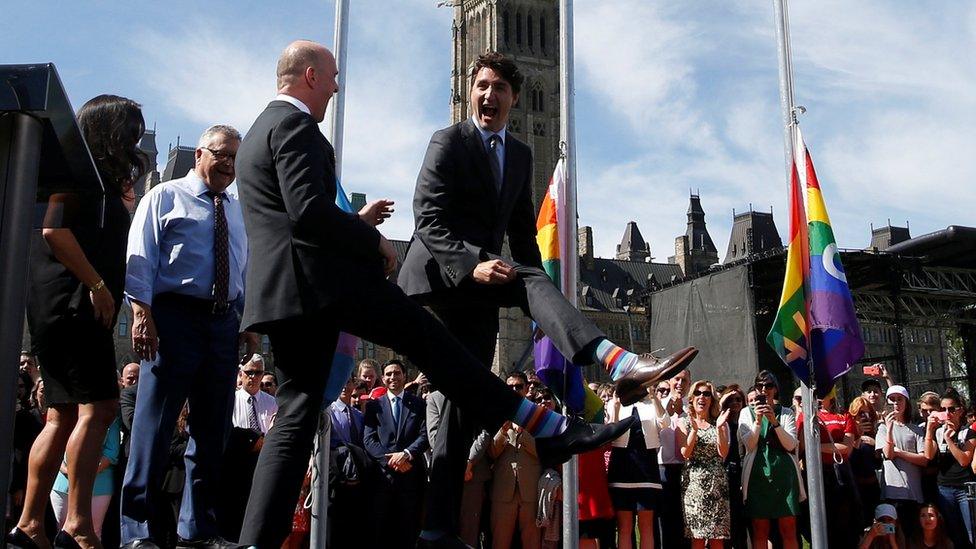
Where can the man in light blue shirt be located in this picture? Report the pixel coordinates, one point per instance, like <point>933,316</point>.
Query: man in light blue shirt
<point>186,257</point>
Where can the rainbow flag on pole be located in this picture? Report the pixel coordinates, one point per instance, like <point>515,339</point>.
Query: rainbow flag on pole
<point>816,325</point>
<point>558,373</point>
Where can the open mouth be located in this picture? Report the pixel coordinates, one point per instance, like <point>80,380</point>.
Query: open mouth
<point>488,111</point>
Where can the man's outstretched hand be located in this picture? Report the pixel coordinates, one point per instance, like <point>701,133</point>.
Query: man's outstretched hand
<point>377,211</point>
<point>389,256</point>
<point>494,271</point>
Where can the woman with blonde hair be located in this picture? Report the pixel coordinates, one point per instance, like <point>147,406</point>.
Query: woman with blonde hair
<point>703,438</point>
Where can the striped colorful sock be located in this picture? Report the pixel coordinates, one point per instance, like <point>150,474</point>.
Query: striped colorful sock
<point>538,421</point>
<point>617,361</point>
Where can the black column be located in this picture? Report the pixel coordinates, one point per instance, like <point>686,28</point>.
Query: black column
<point>20,152</point>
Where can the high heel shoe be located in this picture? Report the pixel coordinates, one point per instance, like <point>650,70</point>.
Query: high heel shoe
<point>64,541</point>
<point>18,539</point>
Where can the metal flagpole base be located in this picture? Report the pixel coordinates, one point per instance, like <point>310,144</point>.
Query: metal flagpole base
<point>319,534</point>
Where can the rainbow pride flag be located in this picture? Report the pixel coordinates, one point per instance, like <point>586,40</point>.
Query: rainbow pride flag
<point>816,325</point>
<point>558,373</point>
<point>344,359</point>
<point>835,335</point>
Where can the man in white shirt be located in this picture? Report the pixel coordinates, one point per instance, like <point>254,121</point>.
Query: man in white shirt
<point>253,408</point>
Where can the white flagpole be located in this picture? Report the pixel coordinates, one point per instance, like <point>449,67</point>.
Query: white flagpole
<point>811,435</point>
<point>319,534</point>
<point>567,138</point>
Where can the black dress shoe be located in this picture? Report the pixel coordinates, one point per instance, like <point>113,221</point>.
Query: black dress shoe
<point>650,369</point>
<point>18,539</point>
<point>578,437</point>
<point>64,541</point>
<point>443,542</point>
<point>140,544</point>
<point>216,542</point>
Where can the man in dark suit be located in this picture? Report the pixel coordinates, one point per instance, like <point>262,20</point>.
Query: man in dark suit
<point>396,437</point>
<point>473,190</point>
<point>323,270</point>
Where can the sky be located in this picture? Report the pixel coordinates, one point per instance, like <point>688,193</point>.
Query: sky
<point>670,97</point>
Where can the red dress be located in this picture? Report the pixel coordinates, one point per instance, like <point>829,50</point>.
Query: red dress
<point>594,495</point>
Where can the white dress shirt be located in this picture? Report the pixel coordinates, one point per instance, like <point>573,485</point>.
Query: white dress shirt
<point>266,407</point>
<point>294,101</point>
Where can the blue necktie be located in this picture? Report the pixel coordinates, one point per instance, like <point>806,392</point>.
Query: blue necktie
<point>396,412</point>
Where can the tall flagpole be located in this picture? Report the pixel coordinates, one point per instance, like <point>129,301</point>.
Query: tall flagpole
<point>811,435</point>
<point>319,534</point>
<point>567,137</point>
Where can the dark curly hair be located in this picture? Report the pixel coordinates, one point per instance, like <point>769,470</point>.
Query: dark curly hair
<point>112,127</point>
<point>503,66</point>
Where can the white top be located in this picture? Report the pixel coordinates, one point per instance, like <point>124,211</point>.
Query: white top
<point>294,101</point>
<point>265,405</point>
<point>651,424</point>
<point>670,454</point>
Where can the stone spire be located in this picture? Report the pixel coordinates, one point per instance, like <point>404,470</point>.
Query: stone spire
<point>632,246</point>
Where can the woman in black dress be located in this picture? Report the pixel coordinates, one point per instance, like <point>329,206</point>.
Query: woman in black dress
<point>77,276</point>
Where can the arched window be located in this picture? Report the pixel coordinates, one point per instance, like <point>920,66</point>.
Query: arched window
<point>518,29</point>
<point>505,22</point>
<point>542,104</point>
<point>531,30</point>
<point>535,104</point>
<point>542,33</point>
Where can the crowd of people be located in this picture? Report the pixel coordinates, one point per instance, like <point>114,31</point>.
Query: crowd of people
<point>195,444</point>
<point>703,465</point>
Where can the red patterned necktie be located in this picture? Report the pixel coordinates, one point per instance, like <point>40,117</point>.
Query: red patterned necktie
<point>221,259</point>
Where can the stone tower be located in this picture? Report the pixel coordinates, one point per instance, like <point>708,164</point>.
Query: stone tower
<point>528,32</point>
<point>632,246</point>
<point>694,251</point>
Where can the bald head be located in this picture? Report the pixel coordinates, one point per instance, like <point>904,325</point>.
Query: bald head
<point>307,71</point>
<point>297,58</point>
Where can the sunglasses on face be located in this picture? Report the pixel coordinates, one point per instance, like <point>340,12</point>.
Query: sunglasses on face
<point>766,385</point>
<point>950,409</point>
<point>663,390</point>
<point>252,373</point>
<point>703,393</point>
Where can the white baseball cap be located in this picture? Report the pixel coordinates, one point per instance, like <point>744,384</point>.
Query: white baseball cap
<point>897,390</point>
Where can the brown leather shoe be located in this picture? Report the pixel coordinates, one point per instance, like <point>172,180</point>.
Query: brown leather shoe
<point>649,370</point>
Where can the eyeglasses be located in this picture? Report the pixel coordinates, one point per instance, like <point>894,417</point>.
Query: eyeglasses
<point>703,393</point>
<point>950,409</point>
<point>221,156</point>
<point>766,385</point>
<point>252,373</point>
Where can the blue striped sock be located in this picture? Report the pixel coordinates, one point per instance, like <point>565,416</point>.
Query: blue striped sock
<point>616,360</point>
<point>538,421</point>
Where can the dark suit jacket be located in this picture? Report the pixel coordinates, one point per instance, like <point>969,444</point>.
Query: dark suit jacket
<point>460,219</point>
<point>382,437</point>
<point>127,407</point>
<point>303,248</point>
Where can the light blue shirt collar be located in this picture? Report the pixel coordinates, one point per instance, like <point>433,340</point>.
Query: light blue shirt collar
<point>485,134</point>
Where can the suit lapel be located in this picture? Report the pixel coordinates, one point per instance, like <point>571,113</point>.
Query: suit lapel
<point>476,148</point>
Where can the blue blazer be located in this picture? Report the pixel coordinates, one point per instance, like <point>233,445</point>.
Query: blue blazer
<point>381,436</point>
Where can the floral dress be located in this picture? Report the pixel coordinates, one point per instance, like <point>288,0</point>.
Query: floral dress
<point>705,489</point>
